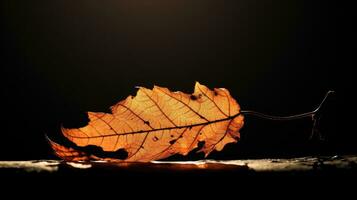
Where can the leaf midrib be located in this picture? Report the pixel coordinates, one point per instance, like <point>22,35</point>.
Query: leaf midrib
<point>162,129</point>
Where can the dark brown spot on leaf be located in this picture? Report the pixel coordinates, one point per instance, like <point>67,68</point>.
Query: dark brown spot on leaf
<point>155,138</point>
<point>193,97</point>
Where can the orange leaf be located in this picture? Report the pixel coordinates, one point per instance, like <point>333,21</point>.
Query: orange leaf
<point>156,124</point>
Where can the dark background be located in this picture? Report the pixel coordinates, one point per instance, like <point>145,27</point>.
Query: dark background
<point>62,58</point>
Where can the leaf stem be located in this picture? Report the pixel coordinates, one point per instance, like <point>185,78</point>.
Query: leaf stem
<point>315,116</point>
<point>291,117</point>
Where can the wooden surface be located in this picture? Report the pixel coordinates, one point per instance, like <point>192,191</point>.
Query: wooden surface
<point>306,175</point>
<point>304,166</point>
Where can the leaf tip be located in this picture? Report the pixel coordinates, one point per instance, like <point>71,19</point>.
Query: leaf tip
<point>197,83</point>
<point>138,87</point>
<point>48,139</point>
<point>157,87</point>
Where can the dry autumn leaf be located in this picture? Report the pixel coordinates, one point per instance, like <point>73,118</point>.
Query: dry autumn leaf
<point>156,124</point>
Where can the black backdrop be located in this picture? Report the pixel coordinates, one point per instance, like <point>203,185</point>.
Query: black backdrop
<point>61,58</point>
